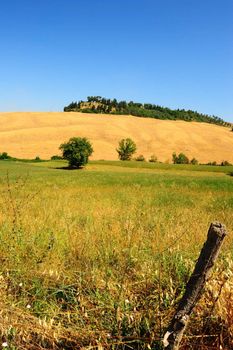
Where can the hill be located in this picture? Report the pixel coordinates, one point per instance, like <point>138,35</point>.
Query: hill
<point>27,135</point>
<point>98,104</point>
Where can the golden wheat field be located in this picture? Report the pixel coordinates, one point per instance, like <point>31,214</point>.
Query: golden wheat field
<point>31,134</point>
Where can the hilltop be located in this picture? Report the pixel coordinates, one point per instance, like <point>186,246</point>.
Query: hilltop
<point>98,104</point>
<point>27,135</point>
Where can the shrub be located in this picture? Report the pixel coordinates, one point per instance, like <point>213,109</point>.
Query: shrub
<point>194,161</point>
<point>180,159</point>
<point>4,155</point>
<point>77,151</point>
<point>153,158</point>
<point>212,163</point>
<point>126,149</point>
<point>225,163</point>
<point>140,158</point>
<point>56,157</point>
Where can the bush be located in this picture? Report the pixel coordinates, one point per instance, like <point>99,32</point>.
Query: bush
<point>126,149</point>
<point>140,158</point>
<point>212,163</point>
<point>4,155</point>
<point>77,151</point>
<point>153,159</point>
<point>56,157</point>
<point>180,159</point>
<point>225,163</point>
<point>194,161</point>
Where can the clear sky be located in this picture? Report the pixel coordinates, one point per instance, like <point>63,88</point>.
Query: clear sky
<point>175,53</point>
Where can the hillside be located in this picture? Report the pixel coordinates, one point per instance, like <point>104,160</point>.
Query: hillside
<point>27,135</point>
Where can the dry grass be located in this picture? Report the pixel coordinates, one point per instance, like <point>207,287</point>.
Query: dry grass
<point>27,135</point>
<point>102,255</point>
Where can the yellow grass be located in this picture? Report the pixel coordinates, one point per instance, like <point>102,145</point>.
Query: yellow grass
<point>27,135</point>
<point>101,255</point>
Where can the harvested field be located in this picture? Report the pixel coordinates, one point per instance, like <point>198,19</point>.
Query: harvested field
<point>31,134</point>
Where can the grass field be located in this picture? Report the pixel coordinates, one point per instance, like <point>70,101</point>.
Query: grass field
<point>99,257</point>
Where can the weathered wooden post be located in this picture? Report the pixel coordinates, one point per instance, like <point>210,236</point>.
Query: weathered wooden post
<point>195,285</point>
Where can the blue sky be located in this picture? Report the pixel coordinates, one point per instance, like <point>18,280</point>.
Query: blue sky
<point>175,53</point>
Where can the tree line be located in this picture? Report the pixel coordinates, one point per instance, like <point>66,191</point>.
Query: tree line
<point>98,104</point>
<point>78,150</point>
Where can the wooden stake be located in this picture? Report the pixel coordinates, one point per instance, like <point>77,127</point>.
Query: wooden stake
<point>195,285</point>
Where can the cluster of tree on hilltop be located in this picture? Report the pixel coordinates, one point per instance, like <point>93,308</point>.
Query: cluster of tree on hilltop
<point>98,104</point>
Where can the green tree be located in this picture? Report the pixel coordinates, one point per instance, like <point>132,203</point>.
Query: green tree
<point>77,151</point>
<point>4,155</point>
<point>194,161</point>
<point>126,149</point>
<point>180,159</point>
<point>104,105</point>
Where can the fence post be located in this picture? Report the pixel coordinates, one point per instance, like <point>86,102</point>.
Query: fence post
<point>195,285</point>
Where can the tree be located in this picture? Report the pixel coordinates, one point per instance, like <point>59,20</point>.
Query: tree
<point>180,159</point>
<point>126,149</point>
<point>153,159</point>
<point>108,106</point>
<point>71,107</point>
<point>194,161</point>
<point>4,155</point>
<point>77,151</point>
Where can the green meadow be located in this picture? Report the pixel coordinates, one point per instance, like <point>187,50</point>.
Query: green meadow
<point>99,257</point>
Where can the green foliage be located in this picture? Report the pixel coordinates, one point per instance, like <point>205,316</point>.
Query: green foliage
<point>194,161</point>
<point>153,159</point>
<point>4,156</point>
<point>71,107</point>
<point>225,163</point>
<point>98,104</point>
<point>140,158</point>
<point>214,163</point>
<point>180,159</point>
<point>56,157</point>
<point>77,151</point>
<point>126,149</point>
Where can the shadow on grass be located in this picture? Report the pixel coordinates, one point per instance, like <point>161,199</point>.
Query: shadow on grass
<point>68,168</point>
